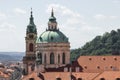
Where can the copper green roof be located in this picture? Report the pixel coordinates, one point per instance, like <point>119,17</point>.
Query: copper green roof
<point>52,18</point>
<point>52,36</point>
<point>31,28</point>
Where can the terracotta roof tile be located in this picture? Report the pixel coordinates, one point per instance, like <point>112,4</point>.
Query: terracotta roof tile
<point>99,63</point>
<point>32,75</point>
<point>109,75</point>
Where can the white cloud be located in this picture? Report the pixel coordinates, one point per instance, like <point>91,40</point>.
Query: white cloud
<point>116,1</point>
<point>76,28</point>
<point>100,16</point>
<point>104,17</point>
<point>63,10</point>
<point>19,11</point>
<point>7,27</point>
<point>2,16</point>
<point>72,23</point>
<point>113,17</point>
<point>71,17</point>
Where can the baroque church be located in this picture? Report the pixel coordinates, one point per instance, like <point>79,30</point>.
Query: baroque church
<point>50,50</point>
<point>47,57</point>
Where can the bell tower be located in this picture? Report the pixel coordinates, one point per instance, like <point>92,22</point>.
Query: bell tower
<point>31,36</point>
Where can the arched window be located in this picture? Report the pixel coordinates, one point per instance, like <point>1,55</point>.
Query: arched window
<point>39,55</point>
<point>45,58</point>
<point>58,58</point>
<point>58,78</point>
<point>52,58</point>
<point>63,58</point>
<point>102,78</point>
<point>117,78</point>
<point>30,47</point>
<point>79,78</point>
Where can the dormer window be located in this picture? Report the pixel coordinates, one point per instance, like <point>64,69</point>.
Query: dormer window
<point>90,59</point>
<point>115,58</point>
<point>85,67</point>
<point>40,38</point>
<point>98,67</point>
<point>104,58</point>
<point>52,38</point>
<point>111,67</point>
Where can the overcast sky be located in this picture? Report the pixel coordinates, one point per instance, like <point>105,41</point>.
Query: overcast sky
<point>79,20</point>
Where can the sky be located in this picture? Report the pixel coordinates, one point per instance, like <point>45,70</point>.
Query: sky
<point>79,20</point>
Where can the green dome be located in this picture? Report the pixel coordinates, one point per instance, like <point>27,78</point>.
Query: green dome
<point>52,36</point>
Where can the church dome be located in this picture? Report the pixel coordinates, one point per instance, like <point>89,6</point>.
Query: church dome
<point>52,36</point>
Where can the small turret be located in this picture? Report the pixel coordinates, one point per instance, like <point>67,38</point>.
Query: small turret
<point>52,24</point>
<point>31,28</point>
<point>31,36</point>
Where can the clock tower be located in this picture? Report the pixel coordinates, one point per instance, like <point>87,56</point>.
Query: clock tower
<point>31,36</point>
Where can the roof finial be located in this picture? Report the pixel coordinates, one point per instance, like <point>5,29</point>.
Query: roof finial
<point>52,13</point>
<point>31,12</point>
<point>31,17</point>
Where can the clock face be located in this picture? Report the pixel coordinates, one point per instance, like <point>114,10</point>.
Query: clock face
<point>31,36</point>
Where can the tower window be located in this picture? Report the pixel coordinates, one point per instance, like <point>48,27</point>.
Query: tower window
<point>63,58</point>
<point>52,58</point>
<point>40,57</point>
<point>52,27</point>
<point>58,58</point>
<point>31,47</point>
<point>45,58</point>
<point>31,36</point>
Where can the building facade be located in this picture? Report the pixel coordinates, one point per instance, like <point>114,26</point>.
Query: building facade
<point>48,58</point>
<point>31,36</point>
<point>50,50</point>
<point>53,47</point>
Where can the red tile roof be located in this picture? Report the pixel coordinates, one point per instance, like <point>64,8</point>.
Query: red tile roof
<point>99,63</point>
<point>109,75</point>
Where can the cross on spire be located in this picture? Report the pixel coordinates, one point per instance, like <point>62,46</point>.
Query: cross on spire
<point>31,17</point>
<point>52,13</point>
<point>31,13</point>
